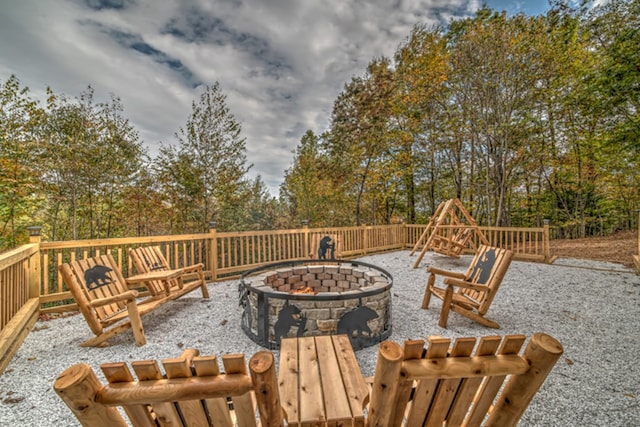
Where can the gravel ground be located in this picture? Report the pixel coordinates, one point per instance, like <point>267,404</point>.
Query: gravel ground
<point>590,307</point>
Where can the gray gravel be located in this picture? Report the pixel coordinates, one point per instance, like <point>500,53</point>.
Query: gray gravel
<point>590,307</point>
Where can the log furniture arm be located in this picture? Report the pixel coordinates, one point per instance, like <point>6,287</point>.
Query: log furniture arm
<point>442,272</point>
<point>163,276</point>
<point>465,284</point>
<point>155,275</point>
<point>127,296</point>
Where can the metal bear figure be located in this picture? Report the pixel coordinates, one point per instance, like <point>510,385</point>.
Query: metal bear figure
<point>483,267</point>
<point>95,275</point>
<point>356,321</point>
<point>326,244</point>
<point>289,316</point>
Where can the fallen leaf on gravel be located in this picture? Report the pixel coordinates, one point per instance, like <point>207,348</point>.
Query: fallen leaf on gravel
<point>569,361</point>
<point>13,400</point>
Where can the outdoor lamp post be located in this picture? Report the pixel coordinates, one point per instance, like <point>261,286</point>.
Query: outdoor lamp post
<point>34,233</point>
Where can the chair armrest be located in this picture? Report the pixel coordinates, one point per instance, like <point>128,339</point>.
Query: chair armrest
<point>441,272</point>
<point>155,275</point>
<point>464,284</point>
<point>125,296</point>
<point>193,268</point>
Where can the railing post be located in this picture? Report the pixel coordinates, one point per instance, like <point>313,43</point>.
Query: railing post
<point>213,253</point>
<point>365,239</point>
<point>305,243</point>
<point>34,234</point>
<point>546,248</point>
<point>34,262</point>
<point>405,235</point>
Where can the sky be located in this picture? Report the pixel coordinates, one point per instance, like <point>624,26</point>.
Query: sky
<point>280,63</point>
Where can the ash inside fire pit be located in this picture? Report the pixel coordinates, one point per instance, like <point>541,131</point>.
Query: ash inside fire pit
<point>304,298</point>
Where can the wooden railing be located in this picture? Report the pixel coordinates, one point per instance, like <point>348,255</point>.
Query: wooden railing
<point>30,282</point>
<point>530,244</point>
<point>19,302</point>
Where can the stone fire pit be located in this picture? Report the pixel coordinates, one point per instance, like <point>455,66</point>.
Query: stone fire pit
<point>306,298</point>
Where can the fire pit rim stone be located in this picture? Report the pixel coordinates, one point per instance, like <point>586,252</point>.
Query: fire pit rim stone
<point>259,284</point>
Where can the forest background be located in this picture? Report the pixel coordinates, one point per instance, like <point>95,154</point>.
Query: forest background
<point>522,118</point>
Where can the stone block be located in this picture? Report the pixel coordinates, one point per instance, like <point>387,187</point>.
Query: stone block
<point>318,314</point>
<point>330,325</point>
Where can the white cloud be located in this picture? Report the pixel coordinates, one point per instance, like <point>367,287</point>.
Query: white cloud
<point>280,63</point>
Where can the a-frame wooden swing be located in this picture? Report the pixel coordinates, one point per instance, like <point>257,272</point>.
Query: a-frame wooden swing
<point>449,232</point>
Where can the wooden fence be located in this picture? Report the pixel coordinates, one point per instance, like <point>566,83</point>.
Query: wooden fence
<point>30,283</point>
<point>19,302</point>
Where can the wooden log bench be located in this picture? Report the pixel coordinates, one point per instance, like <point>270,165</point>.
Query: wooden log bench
<point>108,304</point>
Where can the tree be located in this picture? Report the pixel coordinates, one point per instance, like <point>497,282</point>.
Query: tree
<point>20,120</point>
<point>207,167</point>
<point>358,141</point>
<point>494,64</point>
<point>420,73</point>
<point>308,186</point>
<point>90,153</point>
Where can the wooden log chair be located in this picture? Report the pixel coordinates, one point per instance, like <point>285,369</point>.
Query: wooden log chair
<point>326,246</point>
<point>476,288</point>
<point>450,384</point>
<point>150,260</point>
<point>191,392</point>
<point>106,301</point>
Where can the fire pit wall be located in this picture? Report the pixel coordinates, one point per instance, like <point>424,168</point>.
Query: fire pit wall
<point>305,300</point>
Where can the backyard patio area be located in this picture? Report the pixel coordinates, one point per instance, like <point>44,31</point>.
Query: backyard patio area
<point>591,307</point>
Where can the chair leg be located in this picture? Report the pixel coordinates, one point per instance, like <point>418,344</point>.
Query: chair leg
<point>446,306</point>
<point>427,292</point>
<point>205,290</point>
<point>136,324</point>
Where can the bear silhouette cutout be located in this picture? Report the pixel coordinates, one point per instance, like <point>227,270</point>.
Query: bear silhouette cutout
<point>326,245</point>
<point>356,321</point>
<point>482,269</point>
<point>289,316</point>
<point>97,276</point>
